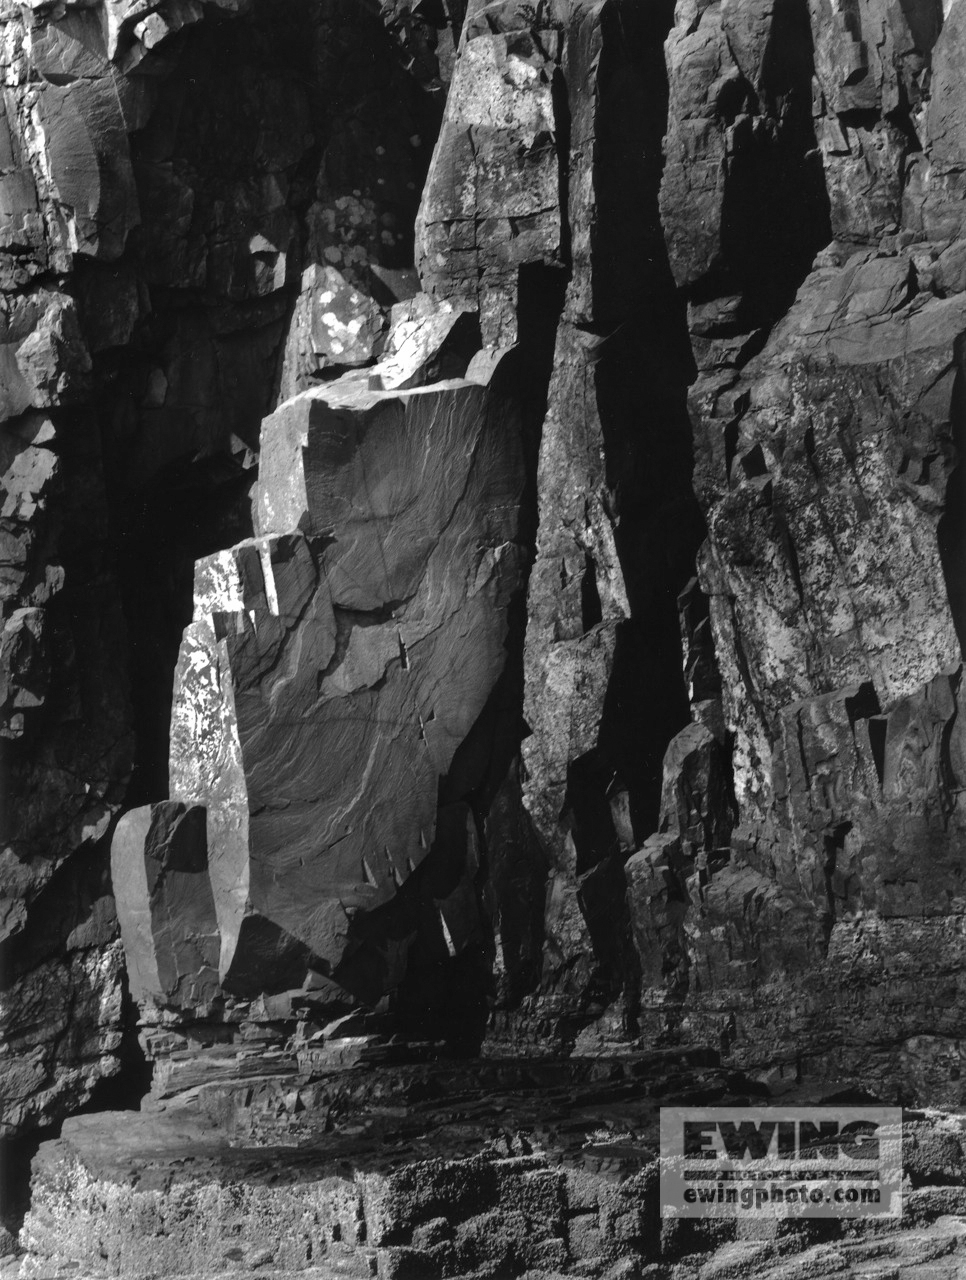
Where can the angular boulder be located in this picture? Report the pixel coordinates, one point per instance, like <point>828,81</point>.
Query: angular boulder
<point>159,869</point>
<point>329,685</point>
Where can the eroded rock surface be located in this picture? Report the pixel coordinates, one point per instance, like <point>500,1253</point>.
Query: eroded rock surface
<point>442,1186</point>
<point>168,176</point>
<point>491,204</point>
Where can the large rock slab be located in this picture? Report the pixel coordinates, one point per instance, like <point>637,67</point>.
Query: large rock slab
<point>159,869</point>
<point>331,680</point>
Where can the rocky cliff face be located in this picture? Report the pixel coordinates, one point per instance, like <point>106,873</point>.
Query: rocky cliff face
<point>827,422</point>
<point>483,532</point>
<point>174,180</point>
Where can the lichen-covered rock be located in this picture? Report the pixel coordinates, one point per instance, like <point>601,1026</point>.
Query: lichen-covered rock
<point>334,327</point>
<point>429,340</point>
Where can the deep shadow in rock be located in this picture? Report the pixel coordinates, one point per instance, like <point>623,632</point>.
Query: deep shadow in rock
<point>951,533</point>
<point>775,212</point>
<point>186,513</point>
<point>642,377</point>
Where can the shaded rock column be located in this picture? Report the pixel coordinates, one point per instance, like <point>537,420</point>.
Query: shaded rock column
<point>65,739</point>
<point>618,524</point>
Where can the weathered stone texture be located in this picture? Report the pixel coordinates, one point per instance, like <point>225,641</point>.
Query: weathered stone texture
<point>492,198</point>
<point>826,466</point>
<point>421,1194</point>
<point>65,726</point>
<point>231,231</point>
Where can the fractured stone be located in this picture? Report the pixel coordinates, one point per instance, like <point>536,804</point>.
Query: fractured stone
<point>331,676</point>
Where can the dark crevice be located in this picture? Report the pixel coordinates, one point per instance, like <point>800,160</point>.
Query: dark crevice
<point>951,532</point>
<point>834,845</point>
<point>878,729</point>
<point>791,555</point>
<point>775,213</point>
<point>863,705</point>
<point>647,443</point>
<point>561,115</point>
<point>590,608</point>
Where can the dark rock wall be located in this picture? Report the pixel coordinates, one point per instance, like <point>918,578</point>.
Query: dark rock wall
<point>168,174</point>
<point>825,447</point>
<point>584,666</point>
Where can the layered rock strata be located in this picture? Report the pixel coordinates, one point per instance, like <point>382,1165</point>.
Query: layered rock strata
<point>443,1188</point>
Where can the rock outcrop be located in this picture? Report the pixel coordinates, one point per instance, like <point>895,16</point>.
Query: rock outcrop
<point>168,177</point>
<point>484,546</point>
<point>330,688</point>
<point>424,1190</point>
<point>826,434</point>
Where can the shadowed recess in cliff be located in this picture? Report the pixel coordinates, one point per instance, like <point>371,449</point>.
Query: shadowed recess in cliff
<point>643,372</point>
<point>629,255</point>
<point>659,529</point>
<point>277,143</point>
<point>951,533</point>
<point>775,211</point>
